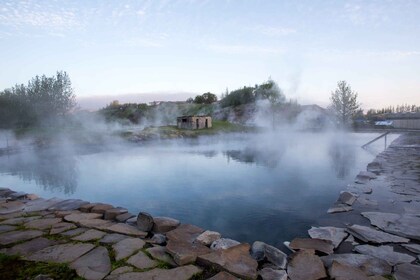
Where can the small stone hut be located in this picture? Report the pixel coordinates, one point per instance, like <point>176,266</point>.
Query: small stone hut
<point>194,122</point>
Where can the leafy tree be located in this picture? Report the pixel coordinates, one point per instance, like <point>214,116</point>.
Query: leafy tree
<point>344,103</point>
<point>206,98</point>
<point>43,98</point>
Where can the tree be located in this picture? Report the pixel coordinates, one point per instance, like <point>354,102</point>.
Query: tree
<point>43,98</point>
<point>344,103</point>
<point>205,98</point>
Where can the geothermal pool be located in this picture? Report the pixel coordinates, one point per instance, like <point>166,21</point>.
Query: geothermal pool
<point>269,187</point>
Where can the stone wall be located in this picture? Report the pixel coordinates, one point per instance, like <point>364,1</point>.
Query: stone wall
<point>194,122</point>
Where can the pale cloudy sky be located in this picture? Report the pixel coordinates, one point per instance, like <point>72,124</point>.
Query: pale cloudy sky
<point>159,47</point>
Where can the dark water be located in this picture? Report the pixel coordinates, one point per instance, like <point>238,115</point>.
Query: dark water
<point>247,187</point>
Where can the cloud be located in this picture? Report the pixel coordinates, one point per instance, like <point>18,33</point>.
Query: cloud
<point>141,42</point>
<point>362,13</point>
<point>19,14</point>
<point>244,49</point>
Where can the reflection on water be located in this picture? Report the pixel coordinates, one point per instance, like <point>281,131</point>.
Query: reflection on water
<point>248,187</point>
<point>53,172</point>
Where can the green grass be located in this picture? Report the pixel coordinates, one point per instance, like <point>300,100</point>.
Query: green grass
<point>12,267</point>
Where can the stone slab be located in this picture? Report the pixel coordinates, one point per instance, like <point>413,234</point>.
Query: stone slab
<point>6,228</point>
<point>42,224</point>
<point>127,247</point>
<point>76,217</point>
<point>368,234</point>
<point>407,272</point>
<point>62,253</point>
<point>89,235</point>
<point>235,260</point>
<point>164,224</point>
<point>333,234</point>
<point>160,253</point>
<point>386,253</point>
<point>29,247</point>
<point>18,236</point>
<point>305,265</point>
<point>126,229</point>
<point>185,252</point>
<point>112,238</point>
<point>370,265</point>
<point>324,246</point>
<point>141,261</point>
<point>61,227</point>
<point>178,273</point>
<point>94,265</point>
<point>68,204</point>
<point>184,233</point>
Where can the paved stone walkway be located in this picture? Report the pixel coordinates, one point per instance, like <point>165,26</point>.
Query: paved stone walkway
<point>100,241</point>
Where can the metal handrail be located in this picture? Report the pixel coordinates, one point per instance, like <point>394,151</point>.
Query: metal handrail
<point>379,137</point>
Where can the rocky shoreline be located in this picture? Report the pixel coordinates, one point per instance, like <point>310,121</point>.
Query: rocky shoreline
<point>101,241</point>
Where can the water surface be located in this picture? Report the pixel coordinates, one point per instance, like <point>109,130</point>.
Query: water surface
<point>269,187</point>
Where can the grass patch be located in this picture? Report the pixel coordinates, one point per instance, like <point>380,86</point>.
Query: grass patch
<point>12,267</point>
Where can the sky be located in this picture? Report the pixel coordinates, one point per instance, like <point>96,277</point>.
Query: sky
<point>158,49</point>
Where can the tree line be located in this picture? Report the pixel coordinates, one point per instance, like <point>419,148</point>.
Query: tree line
<point>42,100</point>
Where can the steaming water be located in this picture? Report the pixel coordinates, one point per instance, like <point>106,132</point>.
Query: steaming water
<point>249,188</point>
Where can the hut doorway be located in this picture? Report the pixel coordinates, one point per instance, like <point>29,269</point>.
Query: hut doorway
<point>198,124</point>
<point>207,123</point>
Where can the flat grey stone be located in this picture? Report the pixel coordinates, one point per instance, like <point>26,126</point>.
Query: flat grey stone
<point>19,220</point>
<point>272,274</point>
<point>61,227</point>
<point>333,234</point>
<point>95,223</point>
<point>87,207</point>
<point>100,208</point>
<point>40,204</point>
<point>42,223</point>
<point>367,174</point>
<point>132,221</point>
<point>62,214</point>
<point>368,234</point>
<point>305,265</point>
<point>11,207</point>
<point>29,247</point>
<point>124,217</point>
<point>178,273</point>
<point>185,233</point>
<point>76,217</point>
<point>126,229</point>
<point>342,271</point>
<point>121,270</point>
<point>144,221</point>
<point>261,250</point>
<point>89,235</point>
<point>112,238</point>
<point>407,272</point>
<point>74,232</point>
<point>69,204</point>
<point>62,253</point>
<point>338,208</point>
<point>160,253</point>
<point>208,237</point>
<point>112,213</point>
<point>320,245</point>
<point>402,225</point>
<point>185,252</point>
<point>386,253</point>
<point>223,243</point>
<point>370,265</point>
<point>141,261</point>
<point>127,247</point>
<point>164,224</point>
<point>94,265</point>
<point>6,228</point>
<point>347,198</point>
<point>415,248</point>
<point>18,236</point>
<point>235,260</point>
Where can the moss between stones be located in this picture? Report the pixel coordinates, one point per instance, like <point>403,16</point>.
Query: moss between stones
<point>12,267</point>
